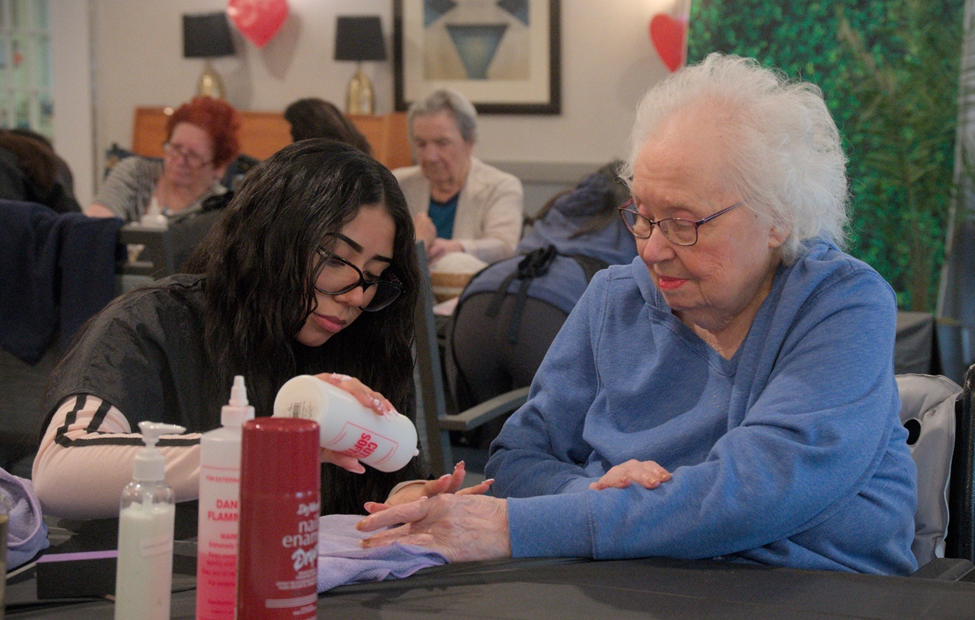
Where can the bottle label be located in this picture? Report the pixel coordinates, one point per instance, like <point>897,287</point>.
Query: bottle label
<point>365,444</point>
<point>279,557</point>
<point>216,565</point>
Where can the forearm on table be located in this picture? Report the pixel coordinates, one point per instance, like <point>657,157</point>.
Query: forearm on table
<point>85,460</point>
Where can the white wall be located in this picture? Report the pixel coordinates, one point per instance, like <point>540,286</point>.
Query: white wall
<point>73,123</point>
<point>607,64</point>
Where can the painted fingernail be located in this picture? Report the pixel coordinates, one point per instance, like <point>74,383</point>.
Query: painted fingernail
<point>341,377</point>
<point>459,465</point>
<point>377,405</point>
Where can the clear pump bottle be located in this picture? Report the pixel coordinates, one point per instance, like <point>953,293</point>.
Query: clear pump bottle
<point>145,537</point>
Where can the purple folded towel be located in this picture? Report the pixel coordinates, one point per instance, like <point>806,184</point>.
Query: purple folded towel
<point>341,560</point>
<point>28,533</point>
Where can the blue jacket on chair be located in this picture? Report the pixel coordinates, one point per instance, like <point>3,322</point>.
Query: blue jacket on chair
<point>57,270</point>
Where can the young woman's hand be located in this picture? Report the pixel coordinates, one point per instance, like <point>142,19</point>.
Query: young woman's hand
<point>369,399</point>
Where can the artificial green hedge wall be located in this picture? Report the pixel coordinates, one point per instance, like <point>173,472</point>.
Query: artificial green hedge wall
<point>889,72</point>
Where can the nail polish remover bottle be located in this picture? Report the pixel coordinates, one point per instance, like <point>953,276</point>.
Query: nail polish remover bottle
<point>216,559</point>
<point>386,443</point>
<point>145,534</point>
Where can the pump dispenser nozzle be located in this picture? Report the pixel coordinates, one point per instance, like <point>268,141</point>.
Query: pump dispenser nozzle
<point>149,463</point>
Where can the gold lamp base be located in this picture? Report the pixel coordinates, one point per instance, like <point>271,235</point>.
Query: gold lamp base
<point>358,99</point>
<point>210,84</point>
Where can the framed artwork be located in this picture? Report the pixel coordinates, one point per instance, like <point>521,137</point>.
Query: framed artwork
<point>503,55</point>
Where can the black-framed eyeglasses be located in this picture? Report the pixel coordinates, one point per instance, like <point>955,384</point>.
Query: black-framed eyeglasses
<point>340,276</point>
<point>677,230</point>
<point>192,159</point>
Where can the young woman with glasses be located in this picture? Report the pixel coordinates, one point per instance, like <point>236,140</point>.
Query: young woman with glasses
<point>311,270</point>
<point>201,142</point>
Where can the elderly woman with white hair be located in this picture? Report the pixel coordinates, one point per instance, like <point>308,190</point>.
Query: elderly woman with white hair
<point>458,202</point>
<point>728,394</point>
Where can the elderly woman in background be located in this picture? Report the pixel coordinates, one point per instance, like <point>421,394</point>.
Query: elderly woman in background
<point>728,394</point>
<point>317,118</point>
<point>459,203</point>
<point>201,144</point>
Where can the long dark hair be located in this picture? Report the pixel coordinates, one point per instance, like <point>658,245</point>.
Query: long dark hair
<point>317,118</point>
<point>259,264</point>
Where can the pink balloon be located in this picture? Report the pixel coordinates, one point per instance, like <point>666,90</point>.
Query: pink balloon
<point>258,20</point>
<point>668,36</point>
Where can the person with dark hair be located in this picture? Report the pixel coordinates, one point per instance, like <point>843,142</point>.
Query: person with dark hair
<point>201,143</point>
<point>311,270</point>
<point>317,118</point>
<point>31,171</point>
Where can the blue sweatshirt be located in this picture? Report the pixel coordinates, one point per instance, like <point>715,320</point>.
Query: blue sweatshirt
<point>791,453</point>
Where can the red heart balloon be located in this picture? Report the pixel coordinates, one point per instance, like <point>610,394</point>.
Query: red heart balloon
<point>258,20</point>
<point>668,35</point>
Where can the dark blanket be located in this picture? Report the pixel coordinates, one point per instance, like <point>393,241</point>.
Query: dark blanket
<point>56,271</point>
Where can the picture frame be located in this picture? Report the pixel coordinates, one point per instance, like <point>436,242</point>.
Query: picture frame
<point>503,56</point>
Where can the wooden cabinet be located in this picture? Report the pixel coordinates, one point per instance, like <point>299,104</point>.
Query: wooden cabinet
<point>264,133</point>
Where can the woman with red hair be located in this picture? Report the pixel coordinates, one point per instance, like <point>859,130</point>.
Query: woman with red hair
<point>201,143</point>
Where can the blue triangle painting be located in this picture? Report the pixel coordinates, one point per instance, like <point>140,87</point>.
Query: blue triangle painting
<point>517,8</point>
<point>434,10</point>
<point>476,45</point>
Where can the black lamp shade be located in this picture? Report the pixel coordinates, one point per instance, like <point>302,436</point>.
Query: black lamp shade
<point>207,36</point>
<point>359,38</point>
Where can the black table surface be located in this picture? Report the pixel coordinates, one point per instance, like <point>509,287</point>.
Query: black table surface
<point>566,589</point>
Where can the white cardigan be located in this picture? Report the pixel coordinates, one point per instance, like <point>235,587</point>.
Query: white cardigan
<point>490,210</point>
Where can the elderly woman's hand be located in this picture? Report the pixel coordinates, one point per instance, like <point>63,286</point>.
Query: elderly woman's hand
<point>461,527</point>
<point>647,474</point>
<point>441,247</point>
<point>447,483</point>
<point>426,231</point>
<point>369,399</point>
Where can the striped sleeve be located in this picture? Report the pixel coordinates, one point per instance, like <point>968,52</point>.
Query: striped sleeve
<point>86,455</point>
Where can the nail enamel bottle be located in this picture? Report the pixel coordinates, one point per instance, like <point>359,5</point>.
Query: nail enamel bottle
<point>277,564</point>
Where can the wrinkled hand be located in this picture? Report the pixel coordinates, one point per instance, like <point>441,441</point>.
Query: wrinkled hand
<point>447,483</point>
<point>426,230</point>
<point>462,528</point>
<point>647,474</point>
<point>369,399</point>
<point>439,247</point>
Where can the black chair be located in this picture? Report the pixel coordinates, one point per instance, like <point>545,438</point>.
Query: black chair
<point>942,424</point>
<point>436,424</point>
<point>960,540</point>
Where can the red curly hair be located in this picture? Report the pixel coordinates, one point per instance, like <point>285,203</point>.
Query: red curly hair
<point>214,116</point>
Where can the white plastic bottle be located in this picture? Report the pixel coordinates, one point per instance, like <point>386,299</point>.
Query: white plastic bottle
<point>386,443</point>
<point>145,534</point>
<point>216,559</point>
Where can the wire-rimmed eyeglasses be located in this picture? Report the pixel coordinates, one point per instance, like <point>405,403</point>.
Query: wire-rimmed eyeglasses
<point>192,159</point>
<point>340,276</point>
<point>677,230</point>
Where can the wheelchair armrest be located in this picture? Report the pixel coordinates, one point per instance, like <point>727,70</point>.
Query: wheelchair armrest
<point>486,411</point>
<point>946,569</point>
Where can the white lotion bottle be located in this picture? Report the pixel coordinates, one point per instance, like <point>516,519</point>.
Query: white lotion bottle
<point>217,537</point>
<point>386,443</point>
<point>145,534</point>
